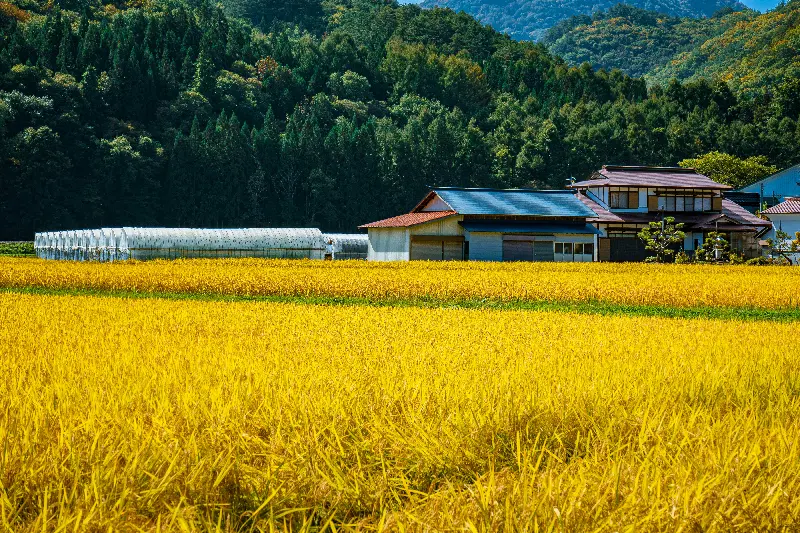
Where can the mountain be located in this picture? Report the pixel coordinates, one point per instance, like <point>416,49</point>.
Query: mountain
<point>634,40</point>
<point>530,19</point>
<point>169,113</point>
<point>754,53</point>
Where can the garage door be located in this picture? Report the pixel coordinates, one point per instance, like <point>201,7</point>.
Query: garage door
<point>437,250</point>
<point>426,251</point>
<point>528,251</point>
<point>543,251</point>
<point>517,251</point>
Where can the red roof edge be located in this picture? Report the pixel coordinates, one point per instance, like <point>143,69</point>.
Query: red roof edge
<point>409,219</point>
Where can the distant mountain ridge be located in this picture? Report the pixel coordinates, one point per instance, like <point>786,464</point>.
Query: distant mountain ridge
<point>752,54</point>
<point>746,49</point>
<point>634,40</point>
<point>530,19</point>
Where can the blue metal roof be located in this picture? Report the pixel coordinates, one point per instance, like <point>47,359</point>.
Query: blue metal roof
<point>547,228</point>
<point>514,202</point>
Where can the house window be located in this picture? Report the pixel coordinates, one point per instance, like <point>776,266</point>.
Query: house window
<point>679,204</point>
<point>626,199</point>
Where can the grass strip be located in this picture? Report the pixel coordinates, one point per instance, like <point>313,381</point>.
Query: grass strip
<point>588,308</point>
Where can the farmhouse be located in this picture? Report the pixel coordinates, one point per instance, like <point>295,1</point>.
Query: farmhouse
<point>488,225</point>
<point>627,198</point>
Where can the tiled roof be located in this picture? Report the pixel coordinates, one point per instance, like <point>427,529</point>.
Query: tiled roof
<point>514,202</point>
<point>662,177</point>
<point>741,215</point>
<point>603,215</point>
<point>409,219</point>
<point>790,207</point>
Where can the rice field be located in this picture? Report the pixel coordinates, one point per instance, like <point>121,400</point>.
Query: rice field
<point>159,414</point>
<point>629,284</point>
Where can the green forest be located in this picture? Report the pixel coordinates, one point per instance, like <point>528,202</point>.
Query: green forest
<point>327,115</point>
<point>634,40</point>
<point>748,50</point>
<point>531,19</point>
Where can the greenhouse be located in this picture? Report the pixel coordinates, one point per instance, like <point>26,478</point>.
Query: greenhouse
<point>346,246</point>
<point>114,244</point>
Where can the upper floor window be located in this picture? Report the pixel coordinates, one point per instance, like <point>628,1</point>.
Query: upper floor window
<point>623,199</point>
<point>673,204</point>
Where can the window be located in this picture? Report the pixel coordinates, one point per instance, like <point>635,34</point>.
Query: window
<point>559,247</point>
<point>588,249</point>
<point>568,248</point>
<point>618,200</point>
<point>679,204</point>
<point>578,248</point>
<point>625,199</point>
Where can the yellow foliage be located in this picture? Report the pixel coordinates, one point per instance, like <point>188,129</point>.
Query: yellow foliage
<point>151,414</point>
<point>629,284</point>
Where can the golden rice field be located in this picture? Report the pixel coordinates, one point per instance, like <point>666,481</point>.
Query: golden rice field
<point>167,415</point>
<point>631,284</point>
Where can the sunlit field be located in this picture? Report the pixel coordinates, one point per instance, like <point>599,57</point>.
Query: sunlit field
<point>631,284</point>
<point>162,414</point>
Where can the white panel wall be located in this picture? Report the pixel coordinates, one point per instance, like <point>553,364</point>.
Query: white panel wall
<point>485,246</point>
<point>788,223</point>
<point>388,244</point>
<point>437,204</point>
<point>446,226</point>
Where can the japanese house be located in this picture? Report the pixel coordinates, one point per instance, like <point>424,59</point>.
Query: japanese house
<point>627,198</point>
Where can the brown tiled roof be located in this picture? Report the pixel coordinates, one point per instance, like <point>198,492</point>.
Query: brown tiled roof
<point>603,215</point>
<point>661,177</point>
<point>790,207</point>
<point>409,219</point>
<point>741,215</point>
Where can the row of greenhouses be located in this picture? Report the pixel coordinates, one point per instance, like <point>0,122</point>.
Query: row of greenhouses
<point>119,244</point>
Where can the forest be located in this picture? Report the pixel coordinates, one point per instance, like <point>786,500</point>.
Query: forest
<point>169,113</point>
<point>749,50</point>
<point>636,41</point>
<point>531,19</point>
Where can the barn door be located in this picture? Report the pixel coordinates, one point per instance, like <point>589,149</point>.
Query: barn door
<point>517,251</point>
<point>426,251</point>
<point>543,251</point>
<point>453,251</point>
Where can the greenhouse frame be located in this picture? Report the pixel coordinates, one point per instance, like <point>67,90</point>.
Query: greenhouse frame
<point>119,244</point>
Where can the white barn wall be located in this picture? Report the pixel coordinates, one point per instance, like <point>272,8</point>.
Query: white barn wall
<point>388,244</point>
<point>437,204</point>
<point>446,226</point>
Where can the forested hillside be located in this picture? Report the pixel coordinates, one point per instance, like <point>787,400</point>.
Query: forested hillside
<point>634,40</point>
<point>179,115</point>
<point>750,55</point>
<point>530,19</point>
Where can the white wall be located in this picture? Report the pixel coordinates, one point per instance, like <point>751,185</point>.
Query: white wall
<point>388,244</point>
<point>445,226</point>
<point>788,223</point>
<point>437,204</point>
